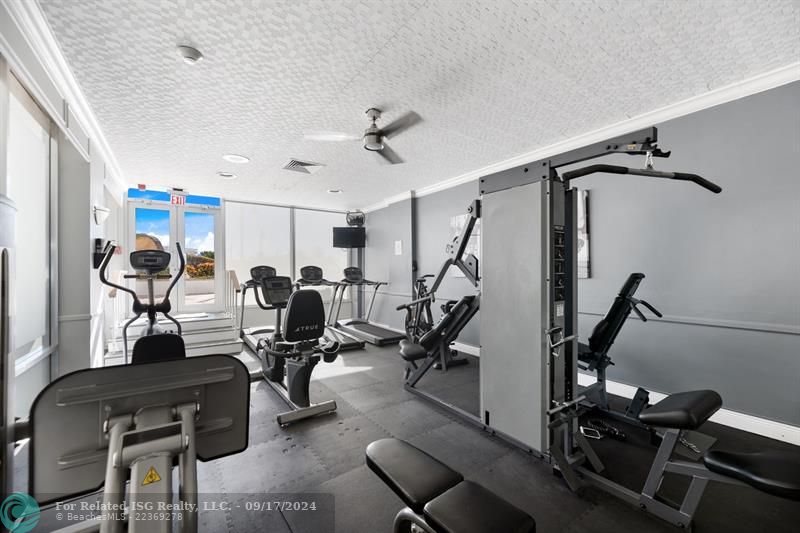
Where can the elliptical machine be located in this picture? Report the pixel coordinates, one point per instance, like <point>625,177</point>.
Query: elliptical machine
<point>289,356</point>
<point>154,343</point>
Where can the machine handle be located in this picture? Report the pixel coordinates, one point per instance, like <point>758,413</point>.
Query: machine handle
<point>616,169</point>
<point>651,308</point>
<point>412,303</point>
<point>111,247</point>
<point>181,269</point>
<point>701,181</point>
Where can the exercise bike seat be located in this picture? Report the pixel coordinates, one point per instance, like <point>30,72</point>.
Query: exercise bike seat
<point>773,472</point>
<point>683,410</point>
<point>412,474</point>
<point>412,352</point>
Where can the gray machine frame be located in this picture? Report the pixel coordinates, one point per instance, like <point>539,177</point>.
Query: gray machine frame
<point>90,427</point>
<point>529,341</point>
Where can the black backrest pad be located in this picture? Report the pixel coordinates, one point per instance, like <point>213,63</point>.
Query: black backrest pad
<point>257,273</point>
<point>311,274</point>
<point>276,290</point>
<point>353,274</point>
<point>153,348</point>
<point>605,332</point>
<point>451,323</point>
<point>305,317</point>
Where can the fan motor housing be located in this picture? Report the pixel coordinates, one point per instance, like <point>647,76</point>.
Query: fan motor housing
<point>372,141</point>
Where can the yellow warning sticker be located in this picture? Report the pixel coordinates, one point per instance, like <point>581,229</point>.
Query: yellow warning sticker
<point>151,477</point>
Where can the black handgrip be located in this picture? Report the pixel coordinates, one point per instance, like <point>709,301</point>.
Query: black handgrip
<point>651,308</point>
<point>701,181</point>
<point>591,169</point>
<point>412,303</point>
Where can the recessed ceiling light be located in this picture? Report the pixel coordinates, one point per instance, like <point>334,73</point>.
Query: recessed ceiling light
<point>190,54</point>
<point>334,191</point>
<point>234,158</point>
<point>226,175</point>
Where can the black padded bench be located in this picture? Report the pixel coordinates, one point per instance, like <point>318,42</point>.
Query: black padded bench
<point>439,499</point>
<point>772,472</point>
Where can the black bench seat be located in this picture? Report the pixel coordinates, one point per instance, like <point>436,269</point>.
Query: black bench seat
<point>683,410</point>
<point>774,472</point>
<point>412,474</point>
<point>433,490</point>
<point>412,352</point>
<point>471,508</point>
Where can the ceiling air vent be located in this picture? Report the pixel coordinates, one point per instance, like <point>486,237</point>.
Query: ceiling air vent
<point>306,167</point>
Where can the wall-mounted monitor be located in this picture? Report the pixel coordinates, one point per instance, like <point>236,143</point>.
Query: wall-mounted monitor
<point>350,237</point>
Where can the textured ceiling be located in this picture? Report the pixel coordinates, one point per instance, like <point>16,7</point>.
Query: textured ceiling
<point>491,79</point>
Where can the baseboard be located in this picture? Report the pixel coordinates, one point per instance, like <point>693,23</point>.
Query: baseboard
<point>466,348</point>
<point>752,424</point>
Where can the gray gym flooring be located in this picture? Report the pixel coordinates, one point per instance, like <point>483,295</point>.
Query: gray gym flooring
<point>322,460</point>
<point>326,455</point>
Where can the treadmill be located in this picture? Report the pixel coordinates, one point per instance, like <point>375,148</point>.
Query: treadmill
<point>362,327</point>
<point>252,336</point>
<point>311,276</point>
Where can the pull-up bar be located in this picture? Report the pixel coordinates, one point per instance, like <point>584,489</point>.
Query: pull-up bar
<point>614,169</point>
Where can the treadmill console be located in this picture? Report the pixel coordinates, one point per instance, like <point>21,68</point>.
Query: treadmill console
<point>353,275</point>
<point>311,274</point>
<point>257,273</point>
<point>150,261</point>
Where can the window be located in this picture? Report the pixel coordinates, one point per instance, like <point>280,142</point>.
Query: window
<point>313,244</point>
<point>29,188</point>
<point>256,235</point>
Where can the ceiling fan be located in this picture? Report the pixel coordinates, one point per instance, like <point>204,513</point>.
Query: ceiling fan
<point>373,137</point>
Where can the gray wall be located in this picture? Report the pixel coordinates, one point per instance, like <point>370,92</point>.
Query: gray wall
<point>384,227</point>
<point>433,213</point>
<point>721,268</point>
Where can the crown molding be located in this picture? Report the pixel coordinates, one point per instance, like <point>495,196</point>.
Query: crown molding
<point>753,85</point>
<point>31,22</point>
<point>406,195</point>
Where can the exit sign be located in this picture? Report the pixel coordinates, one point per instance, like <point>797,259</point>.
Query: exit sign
<point>178,199</point>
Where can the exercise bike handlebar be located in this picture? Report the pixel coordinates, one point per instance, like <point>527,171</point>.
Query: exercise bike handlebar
<point>615,169</point>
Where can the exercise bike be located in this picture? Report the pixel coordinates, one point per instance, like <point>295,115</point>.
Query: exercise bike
<point>154,343</point>
<point>289,355</point>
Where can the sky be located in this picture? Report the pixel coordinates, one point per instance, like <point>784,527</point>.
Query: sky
<point>199,228</point>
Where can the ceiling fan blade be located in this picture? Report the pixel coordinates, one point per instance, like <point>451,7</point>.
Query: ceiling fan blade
<point>389,155</point>
<point>401,124</point>
<point>330,136</point>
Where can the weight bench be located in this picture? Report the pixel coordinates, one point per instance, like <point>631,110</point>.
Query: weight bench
<point>439,499</point>
<point>772,472</point>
